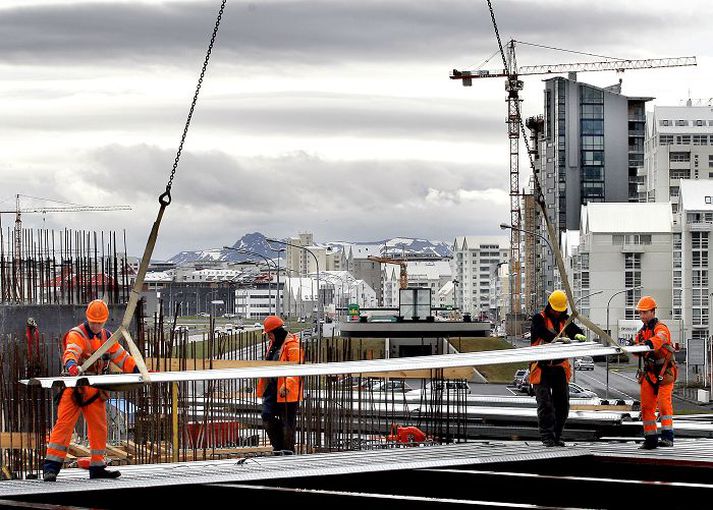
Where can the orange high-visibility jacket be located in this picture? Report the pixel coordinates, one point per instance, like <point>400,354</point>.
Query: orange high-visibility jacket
<point>290,351</point>
<point>660,361</point>
<point>80,343</point>
<point>535,370</point>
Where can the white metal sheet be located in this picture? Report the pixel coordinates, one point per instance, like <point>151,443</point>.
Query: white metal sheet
<point>538,353</point>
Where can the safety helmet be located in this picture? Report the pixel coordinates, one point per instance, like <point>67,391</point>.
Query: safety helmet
<point>97,311</point>
<point>558,301</point>
<point>645,304</point>
<point>272,322</point>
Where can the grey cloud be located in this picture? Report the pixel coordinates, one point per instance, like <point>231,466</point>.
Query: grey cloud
<point>272,34</point>
<point>291,114</point>
<point>218,198</point>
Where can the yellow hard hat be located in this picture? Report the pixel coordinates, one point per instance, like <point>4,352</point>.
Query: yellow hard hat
<point>558,301</point>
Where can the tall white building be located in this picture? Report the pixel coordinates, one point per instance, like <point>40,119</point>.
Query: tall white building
<point>473,260</point>
<point>623,246</point>
<point>679,145</point>
<point>691,259</point>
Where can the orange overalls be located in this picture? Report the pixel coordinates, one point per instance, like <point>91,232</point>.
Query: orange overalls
<point>656,378</point>
<point>80,344</point>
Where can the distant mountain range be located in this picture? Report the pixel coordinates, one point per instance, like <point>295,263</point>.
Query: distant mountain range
<point>255,242</point>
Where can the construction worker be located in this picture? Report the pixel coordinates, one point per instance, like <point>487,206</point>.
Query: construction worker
<point>551,378</point>
<point>79,344</point>
<point>281,395</point>
<point>656,375</point>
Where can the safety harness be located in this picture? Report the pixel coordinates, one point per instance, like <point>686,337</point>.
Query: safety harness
<point>653,365</point>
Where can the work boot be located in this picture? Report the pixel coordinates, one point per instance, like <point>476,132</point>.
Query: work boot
<point>102,472</point>
<point>50,470</point>
<point>649,444</point>
<point>549,443</point>
<point>665,443</point>
<point>560,443</point>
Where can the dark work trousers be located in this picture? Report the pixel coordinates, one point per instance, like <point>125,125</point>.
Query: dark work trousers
<point>281,426</point>
<point>552,396</point>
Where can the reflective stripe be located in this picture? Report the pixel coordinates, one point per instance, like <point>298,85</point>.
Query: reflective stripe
<point>57,446</point>
<point>55,458</point>
<point>666,417</point>
<point>97,452</point>
<point>649,422</point>
<point>650,433</point>
<point>119,352</point>
<point>666,427</point>
<point>97,463</point>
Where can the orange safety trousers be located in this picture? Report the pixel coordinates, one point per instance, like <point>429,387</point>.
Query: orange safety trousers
<point>650,401</point>
<point>67,415</point>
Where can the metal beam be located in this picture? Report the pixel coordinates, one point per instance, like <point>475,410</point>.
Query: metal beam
<point>538,353</point>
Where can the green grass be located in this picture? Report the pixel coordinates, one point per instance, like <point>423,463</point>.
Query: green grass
<point>498,374</point>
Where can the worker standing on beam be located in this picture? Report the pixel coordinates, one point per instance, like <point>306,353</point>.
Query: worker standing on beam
<point>79,344</point>
<point>656,376</point>
<point>551,378</point>
<point>281,396</point>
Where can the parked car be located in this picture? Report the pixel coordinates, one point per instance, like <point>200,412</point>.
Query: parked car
<point>390,386</point>
<point>181,329</point>
<point>577,391</point>
<point>257,325</point>
<point>584,363</point>
<point>520,375</point>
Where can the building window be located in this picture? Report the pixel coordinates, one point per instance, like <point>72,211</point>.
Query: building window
<point>664,122</point>
<point>679,157</point>
<point>683,139</point>
<point>681,123</point>
<point>700,139</point>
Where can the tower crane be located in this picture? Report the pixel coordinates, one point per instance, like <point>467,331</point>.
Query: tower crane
<point>19,211</point>
<point>403,276</point>
<point>513,85</point>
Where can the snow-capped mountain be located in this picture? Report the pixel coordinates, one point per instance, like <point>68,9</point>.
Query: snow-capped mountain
<point>255,242</point>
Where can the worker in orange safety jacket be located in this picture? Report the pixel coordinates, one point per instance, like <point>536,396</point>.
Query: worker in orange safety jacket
<point>281,396</point>
<point>551,378</point>
<point>79,344</point>
<point>657,374</point>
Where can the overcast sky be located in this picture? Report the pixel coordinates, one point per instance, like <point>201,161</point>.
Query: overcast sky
<point>334,116</point>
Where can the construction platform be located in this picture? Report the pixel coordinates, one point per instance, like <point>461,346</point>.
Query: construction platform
<point>504,474</point>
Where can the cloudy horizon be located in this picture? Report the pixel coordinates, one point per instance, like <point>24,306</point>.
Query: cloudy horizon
<point>332,117</point>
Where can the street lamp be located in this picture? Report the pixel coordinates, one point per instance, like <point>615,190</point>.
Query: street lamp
<point>609,331</point>
<point>504,226</point>
<point>269,274</point>
<point>588,295</point>
<point>316,261</point>
<point>277,295</point>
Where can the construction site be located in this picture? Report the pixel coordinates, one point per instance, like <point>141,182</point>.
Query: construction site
<point>403,399</point>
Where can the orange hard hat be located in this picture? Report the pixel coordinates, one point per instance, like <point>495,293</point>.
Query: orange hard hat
<point>272,322</point>
<point>97,311</point>
<point>645,304</point>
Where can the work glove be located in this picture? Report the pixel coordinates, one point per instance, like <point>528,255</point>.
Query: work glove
<point>72,368</point>
<point>580,337</point>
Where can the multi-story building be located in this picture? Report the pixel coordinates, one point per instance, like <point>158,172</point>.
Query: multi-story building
<point>430,274</point>
<point>679,145</point>
<point>592,148</point>
<point>625,251</point>
<point>691,260</point>
<point>473,260</point>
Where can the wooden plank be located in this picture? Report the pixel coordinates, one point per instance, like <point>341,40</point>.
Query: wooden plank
<point>79,450</point>
<point>174,365</point>
<point>116,453</point>
<point>130,447</point>
<point>17,440</point>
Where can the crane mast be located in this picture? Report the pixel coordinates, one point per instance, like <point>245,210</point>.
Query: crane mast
<point>513,86</point>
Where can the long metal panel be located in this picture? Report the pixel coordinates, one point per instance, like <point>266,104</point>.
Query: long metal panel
<point>539,353</point>
<point>271,468</point>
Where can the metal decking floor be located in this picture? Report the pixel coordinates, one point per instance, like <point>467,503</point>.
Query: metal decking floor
<point>478,474</point>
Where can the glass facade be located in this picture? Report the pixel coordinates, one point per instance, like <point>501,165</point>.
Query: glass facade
<point>591,107</point>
